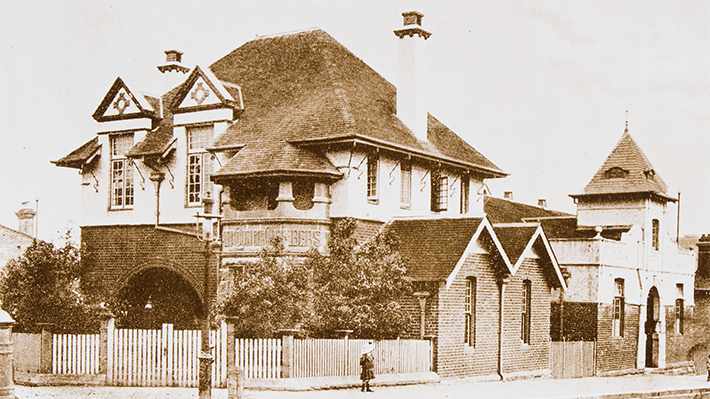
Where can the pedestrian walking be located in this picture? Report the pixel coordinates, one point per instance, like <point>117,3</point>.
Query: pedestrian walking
<point>367,363</point>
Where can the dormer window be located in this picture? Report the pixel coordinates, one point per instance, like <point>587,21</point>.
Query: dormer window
<point>650,174</point>
<point>616,173</point>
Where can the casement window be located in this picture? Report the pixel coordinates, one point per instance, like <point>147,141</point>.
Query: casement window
<point>526,310</point>
<point>199,164</point>
<point>405,192</point>
<point>469,335</point>
<point>439,191</point>
<point>372,177</point>
<point>465,186</point>
<point>655,231</point>
<point>679,309</point>
<point>121,172</point>
<point>619,304</point>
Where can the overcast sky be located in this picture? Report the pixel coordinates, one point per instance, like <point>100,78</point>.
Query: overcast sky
<point>541,88</point>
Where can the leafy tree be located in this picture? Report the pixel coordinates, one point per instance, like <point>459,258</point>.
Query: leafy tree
<point>270,294</point>
<point>44,285</point>
<point>359,288</point>
<point>353,288</point>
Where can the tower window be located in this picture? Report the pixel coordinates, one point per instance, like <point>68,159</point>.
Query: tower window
<point>619,304</point>
<point>655,232</point>
<point>405,197</point>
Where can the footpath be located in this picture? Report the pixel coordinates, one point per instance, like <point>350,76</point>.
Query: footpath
<point>421,386</point>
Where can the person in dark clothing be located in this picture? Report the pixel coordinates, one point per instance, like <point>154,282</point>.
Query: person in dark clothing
<point>367,363</point>
<point>707,364</point>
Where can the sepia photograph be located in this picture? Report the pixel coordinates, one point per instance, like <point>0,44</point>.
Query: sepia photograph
<point>333,199</point>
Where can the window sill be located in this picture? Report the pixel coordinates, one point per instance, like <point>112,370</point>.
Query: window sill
<point>373,201</point>
<point>119,209</point>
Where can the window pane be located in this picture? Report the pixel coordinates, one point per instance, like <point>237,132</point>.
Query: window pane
<point>406,189</point>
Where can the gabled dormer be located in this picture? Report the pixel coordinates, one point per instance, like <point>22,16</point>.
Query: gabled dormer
<point>206,99</point>
<point>124,109</point>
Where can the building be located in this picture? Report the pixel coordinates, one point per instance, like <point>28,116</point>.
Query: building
<point>286,134</point>
<point>699,331</point>
<point>483,293</point>
<point>630,287</point>
<point>13,243</point>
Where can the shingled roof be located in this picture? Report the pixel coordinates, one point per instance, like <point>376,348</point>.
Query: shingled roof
<point>80,156</point>
<point>500,210</point>
<point>626,170</point>
<point>432,247</point>
<point>306,89</point>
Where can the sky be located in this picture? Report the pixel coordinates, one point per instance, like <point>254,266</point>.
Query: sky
<point>542,88</point>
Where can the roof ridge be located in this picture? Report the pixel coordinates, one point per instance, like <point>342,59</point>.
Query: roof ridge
<point>287,33</point>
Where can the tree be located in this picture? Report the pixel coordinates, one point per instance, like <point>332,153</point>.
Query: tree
<point>268,295</point>
<point>359,288</point>
<point>351,288</point>
<point>44,285</point>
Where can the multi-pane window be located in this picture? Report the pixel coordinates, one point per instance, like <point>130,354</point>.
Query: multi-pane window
<point>617,321</point>
<point>655,231</point>
<point>439,191</point>
<point>469,335</point>
<point>465,184</point>
<point>405,196</point>
<point>121,172</point>
<point>372,176</point>
<point>679,309</point>
<point>199,163</point>
<point>526,310</point>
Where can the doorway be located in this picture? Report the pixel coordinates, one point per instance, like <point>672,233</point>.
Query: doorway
<point>653,316</point>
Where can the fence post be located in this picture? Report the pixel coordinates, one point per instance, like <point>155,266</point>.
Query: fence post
<point>235,374</point>
<point>7,386</point>
<point>45,348</point>
<point>105,337</point>
<point>287,352</point>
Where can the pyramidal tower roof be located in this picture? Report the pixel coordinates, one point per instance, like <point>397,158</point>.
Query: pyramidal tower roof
<point>626,170</point>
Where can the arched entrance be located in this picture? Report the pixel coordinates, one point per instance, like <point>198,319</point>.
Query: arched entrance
<point>155,296</point>
<point>653,318</point>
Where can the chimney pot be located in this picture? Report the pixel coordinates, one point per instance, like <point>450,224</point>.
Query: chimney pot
<point>508,195</point>
<point>412,18</point>
<point>542,203</point>
<point>26,217</point>
<point>173,56</point>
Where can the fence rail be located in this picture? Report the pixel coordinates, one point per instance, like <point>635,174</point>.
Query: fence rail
<point>168,357</point>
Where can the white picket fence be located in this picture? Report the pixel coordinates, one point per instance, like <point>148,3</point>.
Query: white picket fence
<point>169,357</point>
<point>75,353</point>
<point>163,357</point>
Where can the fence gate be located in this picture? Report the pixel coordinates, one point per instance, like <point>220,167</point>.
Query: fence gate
<point>573,359</point>
<point>164,357</point>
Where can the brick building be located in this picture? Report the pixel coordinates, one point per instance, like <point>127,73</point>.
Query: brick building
<point>630,287</point>
<point>483,292</point>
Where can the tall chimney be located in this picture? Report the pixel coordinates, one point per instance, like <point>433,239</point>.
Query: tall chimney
<point>542,203</point>
<point>411,85</point>
<point>26,216</point>
<point>508,195</point>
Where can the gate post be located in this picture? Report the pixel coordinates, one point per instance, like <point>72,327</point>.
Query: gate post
<point>7,386</point>
<point>287,352</point>
<point>235,374</point>
<point>45,348</point>
<point>105,337</point>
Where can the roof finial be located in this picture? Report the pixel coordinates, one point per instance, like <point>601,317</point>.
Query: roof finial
<point>627,122</point>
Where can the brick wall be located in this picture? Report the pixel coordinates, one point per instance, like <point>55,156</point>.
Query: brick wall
<point>457,359</point>
<point>116,253</point>
<point>617,353</point>
<point>365,229</point>
<point>677,345</point>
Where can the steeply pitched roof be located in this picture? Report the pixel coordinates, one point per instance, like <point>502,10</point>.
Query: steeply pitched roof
<point>514,238</point>
<point>307,88</point>
<point>626,170</point>
<point>499,210</point>
<point>80,156</point>
<point>432,247</point>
